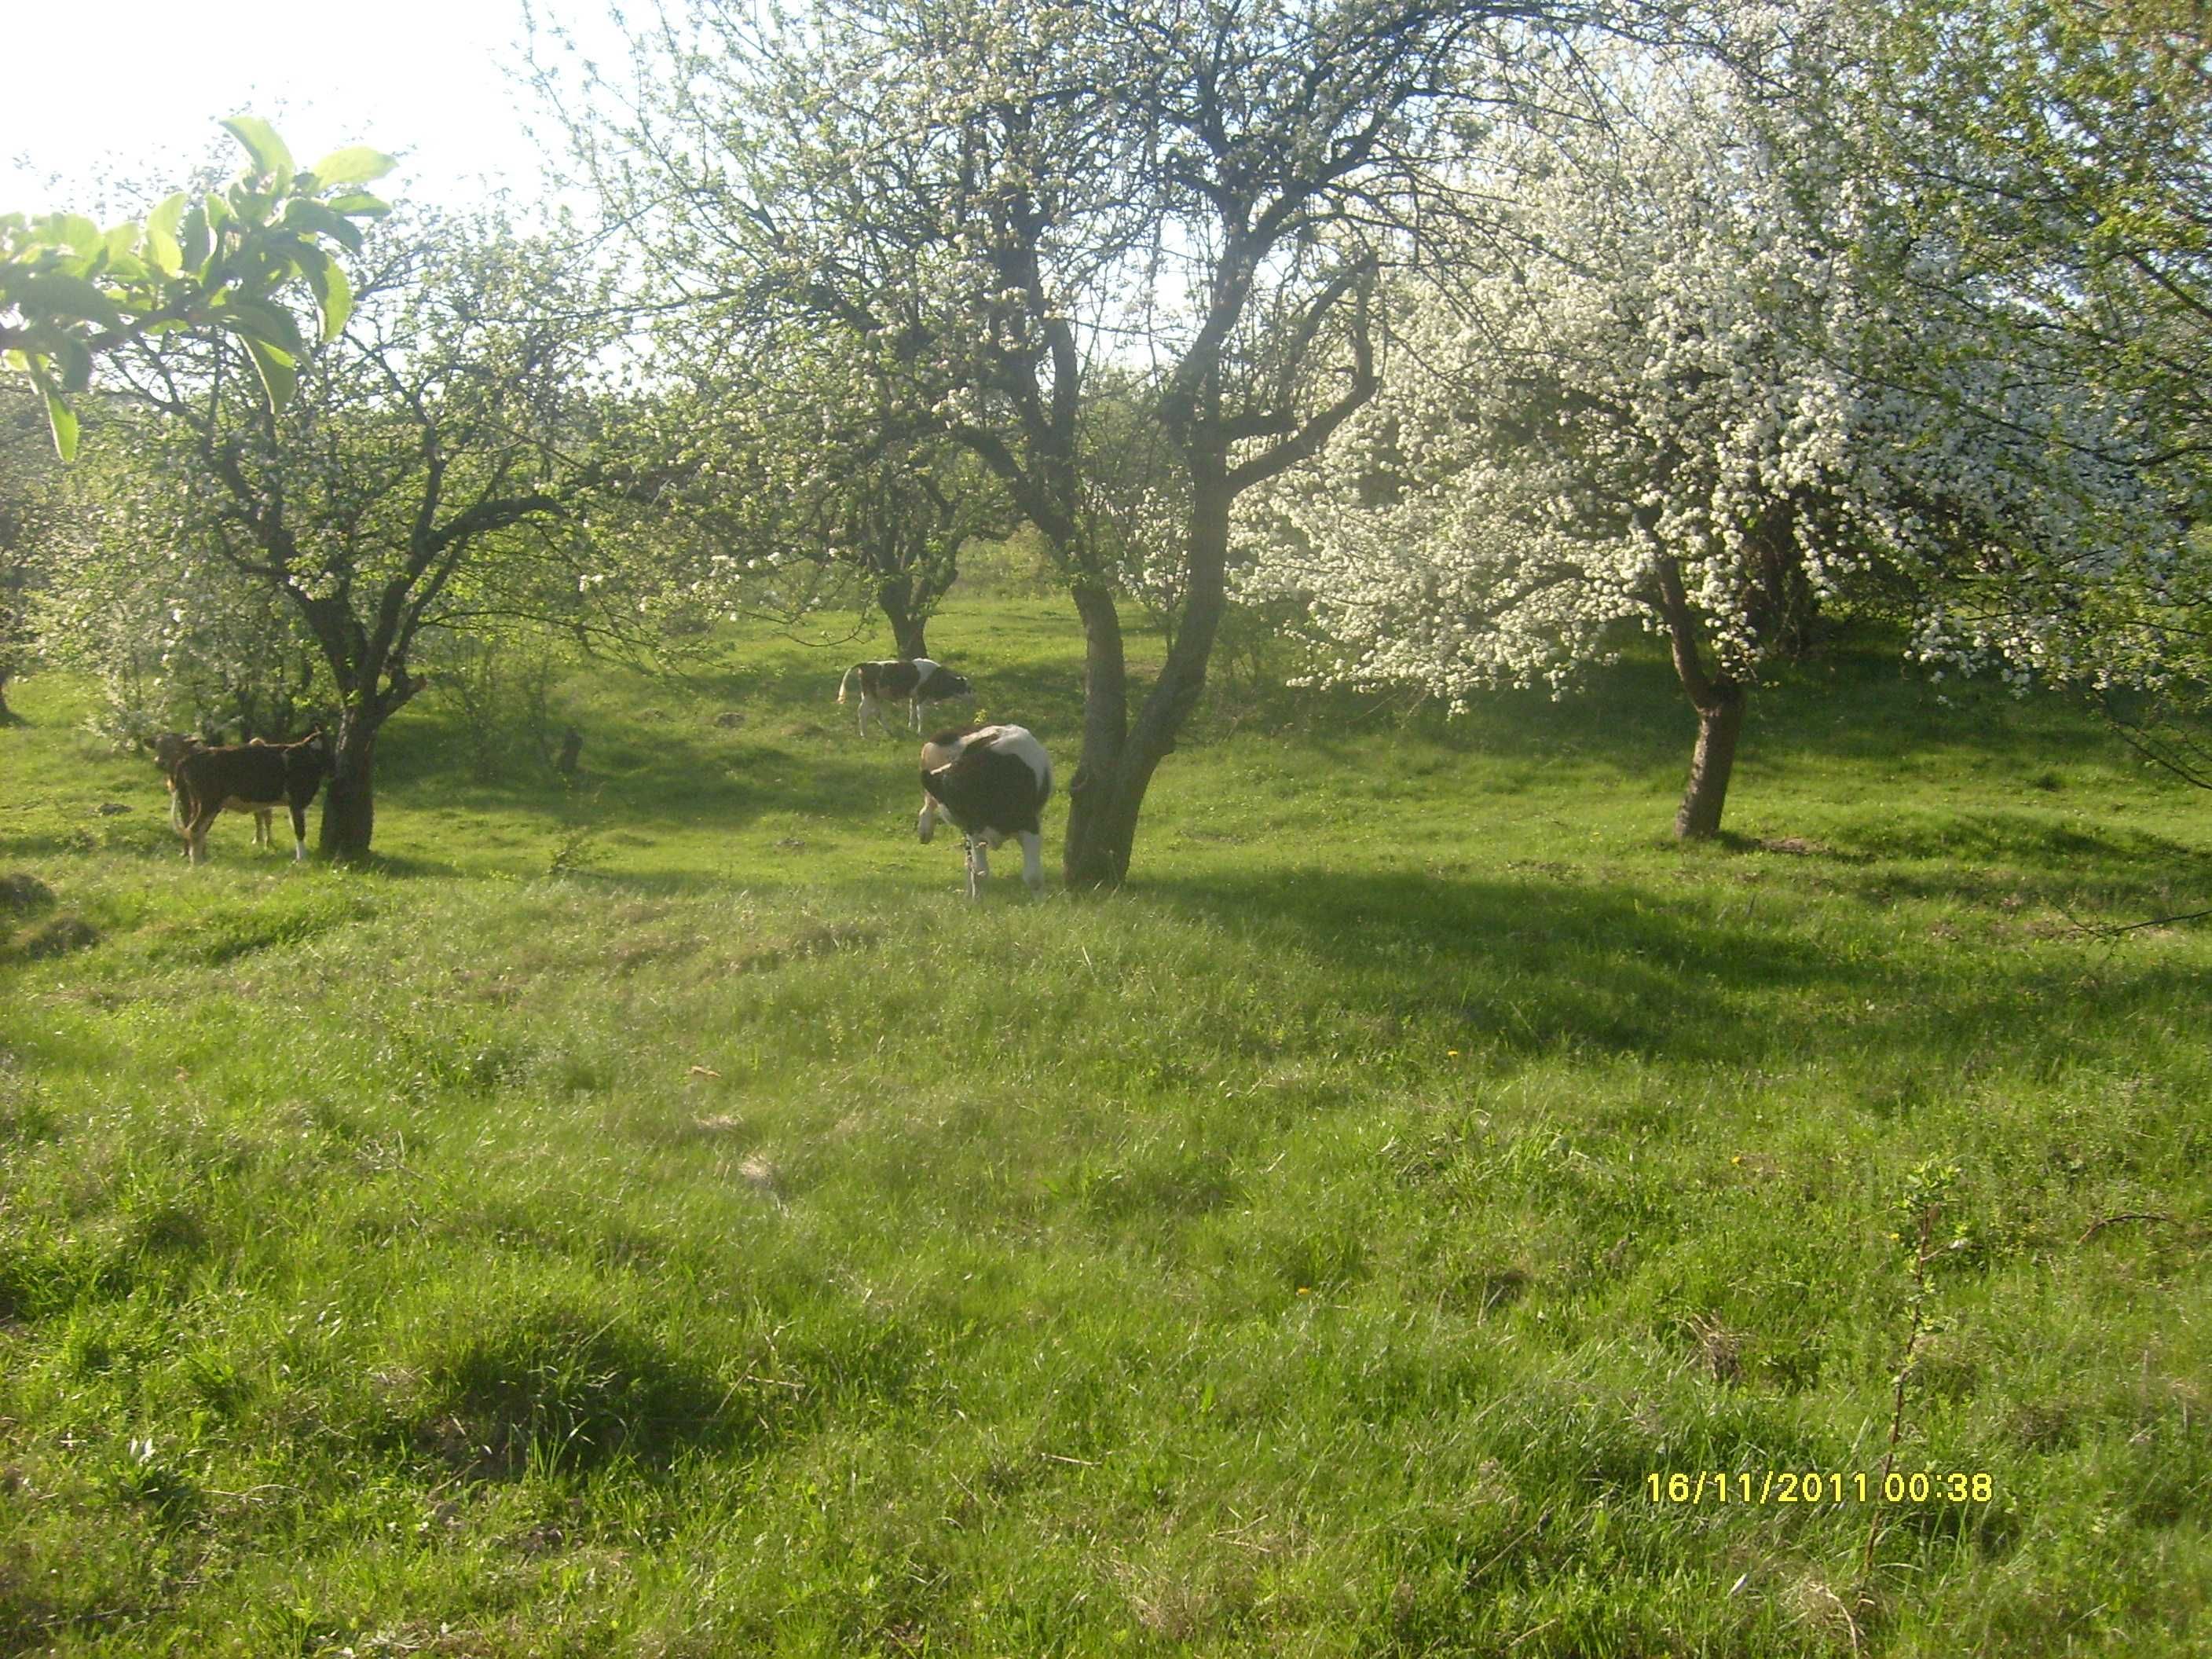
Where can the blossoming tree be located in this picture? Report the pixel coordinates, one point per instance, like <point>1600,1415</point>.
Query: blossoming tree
<point>1696,384</point>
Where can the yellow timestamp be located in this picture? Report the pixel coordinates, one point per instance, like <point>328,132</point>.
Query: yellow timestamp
<point>1820,1487</point>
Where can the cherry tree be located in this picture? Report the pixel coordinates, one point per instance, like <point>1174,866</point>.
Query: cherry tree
<point>1698,385</point>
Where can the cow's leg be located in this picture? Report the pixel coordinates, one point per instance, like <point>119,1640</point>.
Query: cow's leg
<point>299,832</point>
<point>196,836</point>
<point>1032,859</point>
<point>913,717</point>
<point>864,713</point>
<point>926,825</point>
<point>263,836</point>
<point>979,867</point>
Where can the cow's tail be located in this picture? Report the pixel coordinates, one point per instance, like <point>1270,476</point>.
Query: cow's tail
<point>846,682</point>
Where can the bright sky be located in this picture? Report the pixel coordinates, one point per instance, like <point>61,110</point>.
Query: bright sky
<point>113,89</point>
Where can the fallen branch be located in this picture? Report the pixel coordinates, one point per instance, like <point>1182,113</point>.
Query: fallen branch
<point>2103,1221</point>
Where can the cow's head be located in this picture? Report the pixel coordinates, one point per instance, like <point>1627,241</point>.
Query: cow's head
<point>945,684</point>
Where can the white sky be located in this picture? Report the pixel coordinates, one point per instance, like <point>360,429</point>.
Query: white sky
<point>129,89</point>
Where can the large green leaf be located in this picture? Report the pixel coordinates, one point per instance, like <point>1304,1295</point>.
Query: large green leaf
<point>270,158</point>
<point>59,416</point>
<point>55,295</point>
<point>197,243</point>
<point>358,204</point>
<point>162,246</point>
<point>75,360</point>
<point>355,165</point>
<point>79,233</point>
<point>258,321</point>
<point>278,377</point>
<point>301,213</point>
<point>333,294</point>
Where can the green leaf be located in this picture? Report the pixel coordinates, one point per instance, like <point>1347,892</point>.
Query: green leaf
<point>358,205</point>
<point>270,158</point>
<point>75,359</point>
<point>355,164</point>
<point>60,417</point>
<point>333,295</point>
<point>161,236</point>
<point>313,218</point>
<point>198,242</point>
<point>121,240</point>
<point>79,232</point>
<point>51,293</point>
<point>262,321</point>
<point>257,320</point>
<point>278,377</point>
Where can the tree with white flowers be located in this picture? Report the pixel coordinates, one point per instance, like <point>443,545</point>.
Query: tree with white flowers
<point>1699,386</point>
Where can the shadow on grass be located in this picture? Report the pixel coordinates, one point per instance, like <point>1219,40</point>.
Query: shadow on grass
<point>1564,967</point>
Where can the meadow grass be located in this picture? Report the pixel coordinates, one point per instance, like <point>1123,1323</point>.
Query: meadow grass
<point>659,1215</point>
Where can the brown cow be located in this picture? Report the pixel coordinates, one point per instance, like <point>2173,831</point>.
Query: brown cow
<point>170,749</point>
<point>254,777</point>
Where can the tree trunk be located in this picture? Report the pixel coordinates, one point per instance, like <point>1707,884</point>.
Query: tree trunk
<point>908,629</point>
<point>350,795</point>
<point>1720,723</point>
<point>1719,701</point>
<point>8,716</point>
<point>1108,793</point>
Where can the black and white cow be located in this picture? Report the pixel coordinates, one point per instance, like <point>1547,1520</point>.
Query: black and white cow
<point>989,783</point>
<point>918,681</point>
<point>255,777</point>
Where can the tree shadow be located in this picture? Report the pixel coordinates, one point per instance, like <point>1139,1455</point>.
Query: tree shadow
<point>1574,968</point>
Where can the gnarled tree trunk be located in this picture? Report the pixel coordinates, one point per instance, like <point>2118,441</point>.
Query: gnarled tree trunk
<point>350,795</point>
<point>895,596</point>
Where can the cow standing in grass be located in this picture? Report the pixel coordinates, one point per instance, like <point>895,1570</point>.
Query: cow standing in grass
<point>917,681</point>
<point>255,777</point>
<point>988,782</point>
<point>170,749</point>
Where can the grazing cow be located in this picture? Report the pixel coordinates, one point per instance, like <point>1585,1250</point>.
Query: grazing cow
<point>919,681</point>
<point>988,782</point>
<point>254,777</point>
<point>170,749</point>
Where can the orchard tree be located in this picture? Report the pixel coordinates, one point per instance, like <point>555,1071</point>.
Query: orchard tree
<point>431,470</point>
<point>1687,391</point>
<point>212,263</point>
<point>1009,193</point>
<point>815,476</point>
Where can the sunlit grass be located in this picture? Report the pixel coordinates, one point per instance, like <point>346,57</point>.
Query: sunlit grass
<point>736,1241</point>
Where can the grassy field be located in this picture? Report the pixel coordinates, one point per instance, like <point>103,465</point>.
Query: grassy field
<point>665,1217</point>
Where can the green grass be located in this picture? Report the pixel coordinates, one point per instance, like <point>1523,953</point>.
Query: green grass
<point>664,1217</point>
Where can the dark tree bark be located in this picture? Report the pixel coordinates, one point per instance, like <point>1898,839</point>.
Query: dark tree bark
<point>1719,701</point>
<point>350,798</point>
<point>910,626</point>
<point>1720,723</point>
